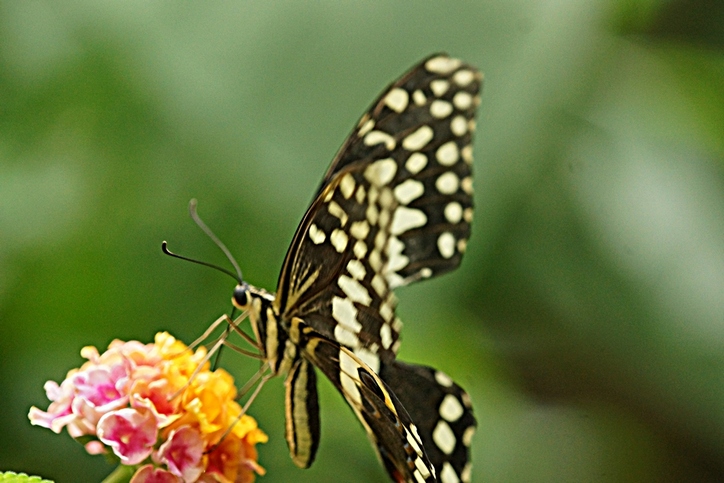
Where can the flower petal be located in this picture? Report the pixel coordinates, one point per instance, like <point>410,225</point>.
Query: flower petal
<point>149,474</point>
<point>183,452</point>
<point>130,433</point>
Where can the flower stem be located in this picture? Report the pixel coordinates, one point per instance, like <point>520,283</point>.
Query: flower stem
<point>122,474</point>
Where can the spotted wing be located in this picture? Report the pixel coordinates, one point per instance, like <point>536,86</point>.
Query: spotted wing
<point>333,277</point>
<point>424,123</point>
<point>442,413</point>
<point>387,423</point>
<point>394,207</point>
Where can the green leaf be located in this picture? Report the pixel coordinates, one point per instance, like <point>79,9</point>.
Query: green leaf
<point>12,477</point>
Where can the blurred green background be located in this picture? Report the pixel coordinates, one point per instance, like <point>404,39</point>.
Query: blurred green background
<point>587,319</point>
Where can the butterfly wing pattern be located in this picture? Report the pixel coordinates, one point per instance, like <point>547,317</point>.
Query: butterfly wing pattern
<point>394,207</point>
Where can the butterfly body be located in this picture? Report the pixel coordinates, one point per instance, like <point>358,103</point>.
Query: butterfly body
<point>394,207</point>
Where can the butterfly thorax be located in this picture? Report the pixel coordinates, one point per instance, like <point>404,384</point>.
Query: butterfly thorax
<point>271,333</point>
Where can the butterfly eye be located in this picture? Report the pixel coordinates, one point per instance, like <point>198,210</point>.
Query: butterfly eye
<point>241,296</point>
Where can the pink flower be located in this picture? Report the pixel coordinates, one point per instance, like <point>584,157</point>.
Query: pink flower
<point>130,433</point>
<point>182,453</point>
<point>59,413</point>
<point>149,474</point>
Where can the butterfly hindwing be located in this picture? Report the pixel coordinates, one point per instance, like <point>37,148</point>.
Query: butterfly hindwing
<point>444,416</point>
<point>302,413</point>
<point>389,427</point>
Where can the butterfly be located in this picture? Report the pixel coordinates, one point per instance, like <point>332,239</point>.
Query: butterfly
<point>394,207</point>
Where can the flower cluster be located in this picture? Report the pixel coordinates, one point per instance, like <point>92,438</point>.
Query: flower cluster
<point>144,402</point>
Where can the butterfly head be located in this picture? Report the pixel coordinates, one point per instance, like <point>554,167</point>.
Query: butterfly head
<point>242,296</point>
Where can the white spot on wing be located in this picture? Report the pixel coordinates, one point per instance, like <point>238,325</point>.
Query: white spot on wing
<point>444,437</point>
<point>380,240</point>
<point>375,261</point>
<point>440,109</point>
<point>468,435</point>
<point>459,125</point>
<point>453,212</point>
<point>316,235</point>
<point>386,311</point>
<point>381,172</point>
<point>447,183</point>
<point>354,290</point>
<point>383,221</point>
<point>450,408</point>
<point>405,219</point>
<point>337,211</point>
<point>408,191</point>
<point>448,475</point>
<point>377,137</point>
<point>447,154</point>
<point>356,269</point>
<point>397,99</point>
<point>378,283</point>
<point>372,214</point>
<point>396,261</point>
<point>393,281</point>
<point>439,87</point>
<point>360,249</point>
<point>386,198</point>
<point>442,65</point>
<point>360,229</point>
<point>466,474</point>
<point>339,240</point>
<point>386,336</point>
<point>345,337</point>
<point>418,139</point>
<point>463,100</point>
<point>463,77</point>
<point>467,154</point>
<point>419,97</point>
<point>443,379</point>
<point>346,185</point>
<point>446,244</point>
<point>366,127</point>
<point>361,193</point>
<point>468,214</point>
<point>462,245</point>
<point>344,312</point>
<point>467,185</point>
<point>416,162</point>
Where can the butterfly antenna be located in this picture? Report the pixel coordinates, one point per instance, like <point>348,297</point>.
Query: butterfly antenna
<point>164,248</point>
<point>197,219</point>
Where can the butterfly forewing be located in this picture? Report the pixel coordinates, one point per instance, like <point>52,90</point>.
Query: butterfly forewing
<point>394,207</point>
<point>333,276</point>
<point>424,123</point>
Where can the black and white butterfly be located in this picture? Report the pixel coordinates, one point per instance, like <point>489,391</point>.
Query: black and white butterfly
<point>394,207</point>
